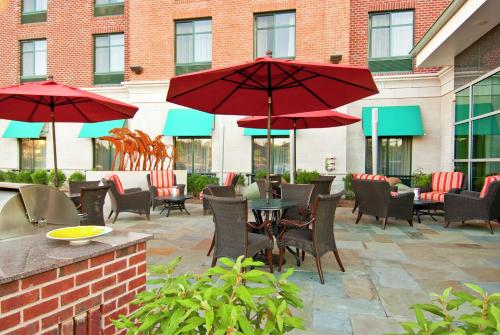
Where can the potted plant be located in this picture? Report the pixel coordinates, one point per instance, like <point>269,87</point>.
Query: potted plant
<point>229,299</point>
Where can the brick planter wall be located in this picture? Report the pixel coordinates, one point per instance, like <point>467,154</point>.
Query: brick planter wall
<point>80,298</point>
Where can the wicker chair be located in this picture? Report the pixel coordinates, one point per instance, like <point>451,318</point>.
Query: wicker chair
<point>275,186</point>
<point>231,181</point>
<point>469,205</point>
<point>155,193</point>
<point>232,238</point>
<point>299,193</point>
<point>319,238</point>
<point>132,200</point>
<point>364,176</point>
<point>322,185</point>
<point>218,191</point>
<point>92,203</point>
<point>76,186</point>
<point>375,198</point>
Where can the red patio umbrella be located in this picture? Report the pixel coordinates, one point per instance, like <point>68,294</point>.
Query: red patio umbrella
<point>48,101</point>
<point>269,87</point>
<point>316,119</point>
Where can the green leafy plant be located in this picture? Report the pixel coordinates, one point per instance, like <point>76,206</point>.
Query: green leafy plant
<point>306,177</point>
<point>40,177</point>
<point>61,176</point>
<point>481,317</point>
<point>348,190</point>
<point>286,176</point>
<point>24,176</point>
<point>77,176</point>
<point>241,180</point>
<point>261,174</point>
<point>2,175</point>
<point>229,299</point>
<point>421,179</point>
<point>11,176</point>
<point>197,182</point>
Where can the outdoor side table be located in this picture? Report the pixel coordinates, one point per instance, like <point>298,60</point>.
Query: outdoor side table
<point>423,207</point>
<point>174,202</point>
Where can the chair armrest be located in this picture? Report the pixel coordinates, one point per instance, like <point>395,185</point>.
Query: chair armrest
<point>455,190</point>
<point>140,195</point>
<point>464,197</point>
<point>470,194</point>
<point>181,188</point>
<point>394,188</point>
<point>264,226</point>
<point>132,190</point>
<point>403,199</point>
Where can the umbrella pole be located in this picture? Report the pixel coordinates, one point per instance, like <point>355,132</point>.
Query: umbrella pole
<point>268,168</point>
<point>56,175</point>
<point>293,173</point>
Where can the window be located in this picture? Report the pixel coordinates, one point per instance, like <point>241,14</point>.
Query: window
<point>34,11</point>
<point>108,7</point>
<point>193,45</point>
<point>390,41</point>
<point>109,61</point>
<point>275,32</point>
<point>32,153</point>
<point>33,60</point>
<point>280,154</point>
<point>193,154</point>
<point>394,156</point>
<point>104,153</point>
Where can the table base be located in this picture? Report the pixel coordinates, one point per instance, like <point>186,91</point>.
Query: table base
<point>174,205</point>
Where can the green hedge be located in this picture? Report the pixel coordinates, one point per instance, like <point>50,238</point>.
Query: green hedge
<point>61,176</point>
<point>77,176</point>
<point>40,177</point>
<point>197,182</point>
<point>24,177</point>
<point>348,190</point>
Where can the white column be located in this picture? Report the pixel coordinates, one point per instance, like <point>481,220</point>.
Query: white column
<point>222,131</point>
<point>374,140</point>
<point>293,152</point>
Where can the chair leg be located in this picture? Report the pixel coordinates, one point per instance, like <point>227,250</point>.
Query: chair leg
<point>280,258</point>
<point>115,217</point>
<point>320,270</point>
<point>447,224</point>
<point>211,246</point>
<point>359,217</point>
<point>376,218</point>
<point>269,254</point>
<point>214,260</point>
<point>385,223</point>
<point>491,227</point>
<point>303,255</point>
<point>339,262</point>
<point>355,206</point>
<point>110,213</point>
<point>410,222</point>
<point>148,217</point>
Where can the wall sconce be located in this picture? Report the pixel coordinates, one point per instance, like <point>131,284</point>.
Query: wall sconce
<point>335,59</point>
<point>137,69</point>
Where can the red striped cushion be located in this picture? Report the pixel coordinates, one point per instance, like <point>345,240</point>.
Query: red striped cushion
<point>365,176</point>
<point>445,181</point>
<point>118,183</point>
<point>162,179</point>
<point>229,178</point>
<point>434,196</point>
<point>487,183</point>
<point>164,191</point>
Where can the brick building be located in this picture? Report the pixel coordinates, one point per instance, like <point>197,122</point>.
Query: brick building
<point>128,50</point>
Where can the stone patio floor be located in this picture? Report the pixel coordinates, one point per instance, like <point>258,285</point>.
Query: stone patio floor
<point>386,271</point>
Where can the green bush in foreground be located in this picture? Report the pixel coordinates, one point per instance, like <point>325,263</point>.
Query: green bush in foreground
<point>77,176</point>
<point>232,299</point>
<point>481,314</point>
<point>24,176</point>
<point>197,182</point>
<point>61,176</point>
<point>40,177</point>
<point>2,175</point>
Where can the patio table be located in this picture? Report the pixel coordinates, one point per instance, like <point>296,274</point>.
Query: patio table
<point>176,202</point>
<point>423,207</point>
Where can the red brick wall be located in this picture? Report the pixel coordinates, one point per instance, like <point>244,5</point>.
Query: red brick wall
<point>80,298</point>
<point>426,13</point>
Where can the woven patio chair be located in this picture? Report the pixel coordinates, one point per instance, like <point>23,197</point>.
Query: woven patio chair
<point>315,236</point>
<point>232,238</point>
<point>76,186</point>
<point>322,185</point>
<point>92,205</point>
<point>365,176</point>
<point>468,205</point>
<point>231,180</point>
<point>164,187</point>
<point>375,198</point>
<point>132,200</point>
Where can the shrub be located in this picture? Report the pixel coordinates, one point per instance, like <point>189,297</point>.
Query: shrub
<point>261,174</point>
<point>348,190</point>
<point>11,176</point>
<point>286,176</point>
<point>421,179</point>
<point>241,180</point>
<point>24,177</point>
<point>306,177</point>
<point>481,314</point>
<point>2,175</point>
<point>223,300</point>
<point>77,176</point>
<point>61,176</point>
<point>197,182</point>
<point>40,177</point>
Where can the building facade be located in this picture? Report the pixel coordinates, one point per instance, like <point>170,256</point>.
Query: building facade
<point>128,50</point>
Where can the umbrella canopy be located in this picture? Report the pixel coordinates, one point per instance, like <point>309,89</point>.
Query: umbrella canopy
<point>270,87</point>
<point>315,119</point>
<point>48,101</point>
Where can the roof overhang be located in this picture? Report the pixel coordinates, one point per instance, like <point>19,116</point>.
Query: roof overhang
<point>460,25</point>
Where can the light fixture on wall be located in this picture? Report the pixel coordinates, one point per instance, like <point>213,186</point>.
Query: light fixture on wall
<point>335,59</point>
<point>137,69</point>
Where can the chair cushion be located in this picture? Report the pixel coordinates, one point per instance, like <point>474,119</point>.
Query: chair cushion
<point>229,178</point>
<point>299,238</point>
<point>164,191</point>
<point>434,196</point>
<point>162,178</point>
<point>258,242</point>
<point>445,181</point>
<point>487,183</point>
<point>118,183</point>
<point>364,176</point>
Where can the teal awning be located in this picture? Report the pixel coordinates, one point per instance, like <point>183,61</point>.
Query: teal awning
<point>98,129</point>
<point>188,122</point>
<point>18,129</point>
<point>394,121</point>
<point>263,132</point>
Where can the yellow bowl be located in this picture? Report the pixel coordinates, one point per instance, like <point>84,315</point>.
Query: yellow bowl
<point>78,235</point>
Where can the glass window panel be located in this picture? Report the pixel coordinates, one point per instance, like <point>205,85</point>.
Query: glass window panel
<point>482,169</point>
<point>41,5</point>
<point>462,105</point>
<point>101,2</point>
<point>486,137</point>
<point>202,155</point>
<point>116,1</point>
<point>464,168</point>
<point>117,59</point>
<point>264,42</point>
<point>402,18</point>
<point>29,6</point>
<point>285,19</point>
<point>41,45</point>
<point>28,64</point>
<point>184,27</point>
<point>28,46</point>
<point>202,26</point>
<point>487,95</point>
<point>401,40</point>
<point>116,40</point>
<point>264,21</point>
<point>103,155</point>
<point>203,47</point>
<point>259,154</point>
<point>380,20</point>
<point>280,154</point>
<point>40,63</point>
<point>184,152</point>
<point>102,41</point>
<point>285,42</point>
<point>184,49</point>
<point>102,60</point>
<point>462,141</point>
<point>33,154</point>
<point>394,156</point>
<point>379,42</point>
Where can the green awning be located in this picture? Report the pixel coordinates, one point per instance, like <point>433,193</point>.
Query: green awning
<point>263,132</point>
<point>394,121</point>
<point>98,129</point>
<point>18,129</point>
<point>188,122</point>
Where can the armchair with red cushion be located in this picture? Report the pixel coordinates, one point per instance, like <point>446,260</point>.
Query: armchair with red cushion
<point>161,184</point>
<point>442,183</point>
